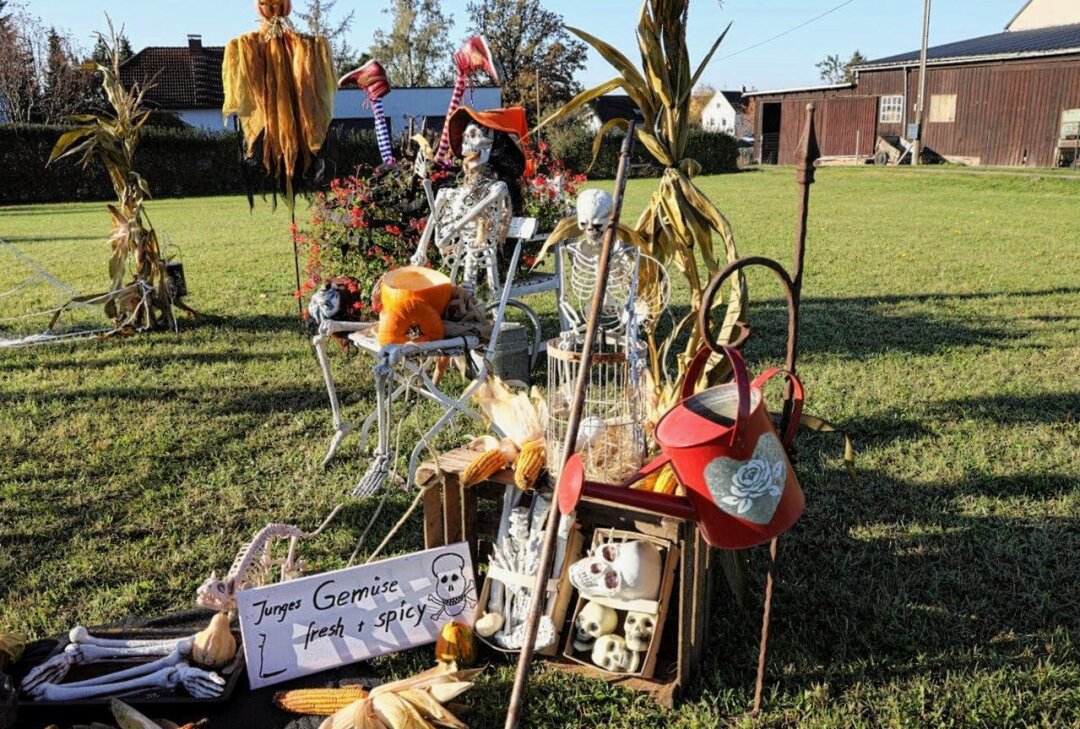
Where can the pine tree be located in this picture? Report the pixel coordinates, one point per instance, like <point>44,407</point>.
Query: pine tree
<point>417,50</point>
<point>318,17</point>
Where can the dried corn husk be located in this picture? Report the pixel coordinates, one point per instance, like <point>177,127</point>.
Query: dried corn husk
<point>521,417</point>
<point>411,703</point>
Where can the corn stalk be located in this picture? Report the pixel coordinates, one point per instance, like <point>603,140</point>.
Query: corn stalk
<point>678,224</point>
<point>113,139</point>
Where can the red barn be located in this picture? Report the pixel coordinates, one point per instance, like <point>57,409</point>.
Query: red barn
<point>1011,98</point>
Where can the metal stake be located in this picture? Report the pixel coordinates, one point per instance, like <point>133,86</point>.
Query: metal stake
<point>547,552</point>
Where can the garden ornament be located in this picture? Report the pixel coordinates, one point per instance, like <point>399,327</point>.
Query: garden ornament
<point>473,56</point>
<point>476,145</point>
<point>324,303</point>
<point>371,77</point>
<point>593,621</point>
<point>638,629</point>
<point>253,563</point>
<point>619,570</point>
<point>611,653</point>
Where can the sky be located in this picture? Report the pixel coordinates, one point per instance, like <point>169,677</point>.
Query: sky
<point>867,25</point>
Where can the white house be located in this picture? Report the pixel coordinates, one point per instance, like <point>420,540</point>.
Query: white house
<point>726,112</point>
<point>1045,14</point>
<point>188,84</point>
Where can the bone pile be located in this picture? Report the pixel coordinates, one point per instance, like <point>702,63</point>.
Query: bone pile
<point>167,668</point>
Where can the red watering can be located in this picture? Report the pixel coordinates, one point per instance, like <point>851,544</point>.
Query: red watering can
<point>740,486</point>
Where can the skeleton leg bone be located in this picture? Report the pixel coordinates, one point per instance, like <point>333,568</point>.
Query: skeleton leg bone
<point>197,682</point>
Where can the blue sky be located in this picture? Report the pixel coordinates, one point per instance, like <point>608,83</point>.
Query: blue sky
<point>788,61</point>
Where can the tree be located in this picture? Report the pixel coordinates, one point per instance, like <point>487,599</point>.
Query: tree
<point>319,19</point>
<point>66,85</point>
<point>417,50</point>
<point>23,52</point>
<point>533,48</point>
<point>100,54</point>
<point>833,71</point>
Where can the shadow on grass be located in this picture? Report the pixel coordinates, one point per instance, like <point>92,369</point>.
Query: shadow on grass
<point>889,580</point>
<point>51,239</point>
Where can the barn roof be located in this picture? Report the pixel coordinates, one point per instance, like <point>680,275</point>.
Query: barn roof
<point>187,77</point>
<point>1057,40</point>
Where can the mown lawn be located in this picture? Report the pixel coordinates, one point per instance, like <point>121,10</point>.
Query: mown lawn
<point>941,328</point>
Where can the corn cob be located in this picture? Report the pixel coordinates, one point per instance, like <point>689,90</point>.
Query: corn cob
<point>648,483</point>
<point>530,464</point>
<point>666,482</point>
<point>484,466</point>
<point>320,701</point>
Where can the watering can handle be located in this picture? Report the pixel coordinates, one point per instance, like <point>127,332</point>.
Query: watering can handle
<point>742,384</point>
<point>796,400</point>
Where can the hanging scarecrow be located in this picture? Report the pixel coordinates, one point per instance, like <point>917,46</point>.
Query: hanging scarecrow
<point>280,84</point>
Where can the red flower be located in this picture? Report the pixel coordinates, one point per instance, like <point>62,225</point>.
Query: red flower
<point>393,230</point>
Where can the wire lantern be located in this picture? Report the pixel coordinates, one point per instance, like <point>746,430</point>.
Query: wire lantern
<point>611,440</point>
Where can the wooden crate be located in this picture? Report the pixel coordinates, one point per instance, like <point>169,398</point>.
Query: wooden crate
<point>454,514</point>
<point>670,560</point>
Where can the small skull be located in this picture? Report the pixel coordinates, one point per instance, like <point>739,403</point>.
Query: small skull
<point>638,629</point>
<point>611,654</point>
<point>476,144</point>
<point>593,621</point>
<point>594,214</point>
<point>620,570</point>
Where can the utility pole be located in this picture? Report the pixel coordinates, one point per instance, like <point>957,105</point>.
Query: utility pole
<point>920,106</point>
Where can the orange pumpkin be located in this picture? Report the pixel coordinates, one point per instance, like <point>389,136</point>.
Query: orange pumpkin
<point>411,321</point>
<point>455,644</point>
<point>273,8</point>
<point>411,283</point>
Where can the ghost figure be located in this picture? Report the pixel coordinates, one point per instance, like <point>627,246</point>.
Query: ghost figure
<point>593,621</point>
<point>611,654</point>
<point>638,629</point>
<point>620,570</point>
<point>453,590</point>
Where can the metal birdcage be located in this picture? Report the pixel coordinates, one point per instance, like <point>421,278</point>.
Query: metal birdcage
<point>612,440</point>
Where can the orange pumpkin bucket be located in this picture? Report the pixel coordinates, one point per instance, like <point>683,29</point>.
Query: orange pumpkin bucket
<point>410,283</point>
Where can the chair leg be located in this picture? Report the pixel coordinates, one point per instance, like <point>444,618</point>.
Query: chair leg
<point>341,428</point>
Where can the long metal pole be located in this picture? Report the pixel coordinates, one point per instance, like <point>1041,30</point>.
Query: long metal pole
<point>547,552</point>
<point>917,147</point>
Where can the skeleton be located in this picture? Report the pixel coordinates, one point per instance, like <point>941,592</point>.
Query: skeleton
<point>453,590</point>
<point>619,570</point>
<point>638,629</point>
<point>168,671</point>
<point>593,621</point>
<point>611,654</point>
<point>253,564</point>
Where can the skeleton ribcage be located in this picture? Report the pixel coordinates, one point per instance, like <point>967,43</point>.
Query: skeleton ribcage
<point>580,271</point>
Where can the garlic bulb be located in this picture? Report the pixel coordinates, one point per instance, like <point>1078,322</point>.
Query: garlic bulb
<point>214,646</point>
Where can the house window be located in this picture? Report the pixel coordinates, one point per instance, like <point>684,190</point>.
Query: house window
<point>943,108</point>
<point>891,110</point>
<point>1070,124</point>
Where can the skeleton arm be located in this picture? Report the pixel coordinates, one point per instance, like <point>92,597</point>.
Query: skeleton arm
<point>498,191</point>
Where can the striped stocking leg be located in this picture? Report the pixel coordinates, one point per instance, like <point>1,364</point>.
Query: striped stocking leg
<point>382,133</point>
<point>455,101</point>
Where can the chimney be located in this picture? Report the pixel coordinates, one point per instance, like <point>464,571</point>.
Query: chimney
<point>194,43</point>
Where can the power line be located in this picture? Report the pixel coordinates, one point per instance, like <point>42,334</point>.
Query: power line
<point>788,31</point>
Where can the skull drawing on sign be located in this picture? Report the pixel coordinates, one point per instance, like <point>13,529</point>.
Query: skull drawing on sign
<point>620,570</point>
<point>611,654</point>
<point>638,629</point>
<point>594,214</point>
<point>453,590</point>
<point>593,621</point>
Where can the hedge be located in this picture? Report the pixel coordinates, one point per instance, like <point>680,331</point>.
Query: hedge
<point>187,162</point>
<point>175,162</point>
<point>715,151</point>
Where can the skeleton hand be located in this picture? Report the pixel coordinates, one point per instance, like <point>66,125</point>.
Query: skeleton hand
<point>419,258</point>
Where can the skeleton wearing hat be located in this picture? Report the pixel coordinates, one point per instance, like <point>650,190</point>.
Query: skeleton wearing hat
<point>470,222</point>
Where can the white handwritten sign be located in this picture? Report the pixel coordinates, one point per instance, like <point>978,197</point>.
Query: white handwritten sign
<point>332,619</point>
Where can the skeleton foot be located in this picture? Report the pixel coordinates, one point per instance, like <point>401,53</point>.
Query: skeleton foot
<point>339,435</point>
<point>515,640</point>
<point>377,474</point>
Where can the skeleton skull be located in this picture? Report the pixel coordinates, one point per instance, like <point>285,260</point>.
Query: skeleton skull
<point>324,304</point>
<point>593,621</point>
<point>620,570</point>
<point>476,144</point>
<point>594,214</point>
<point>638,629</point>
<point>611,654</point>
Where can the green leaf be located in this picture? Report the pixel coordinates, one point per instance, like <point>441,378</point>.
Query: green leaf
<point>701,69</point>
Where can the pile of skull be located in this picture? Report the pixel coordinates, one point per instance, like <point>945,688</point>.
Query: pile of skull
<point>613,578</point>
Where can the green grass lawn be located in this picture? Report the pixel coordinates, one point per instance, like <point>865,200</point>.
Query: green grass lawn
<point>941,328</point>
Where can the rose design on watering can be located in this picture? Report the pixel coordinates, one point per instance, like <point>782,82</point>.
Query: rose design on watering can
<point>750,490</point>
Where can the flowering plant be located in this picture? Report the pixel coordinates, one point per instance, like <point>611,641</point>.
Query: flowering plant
<point>363,226</point>
<point>549,195</point>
